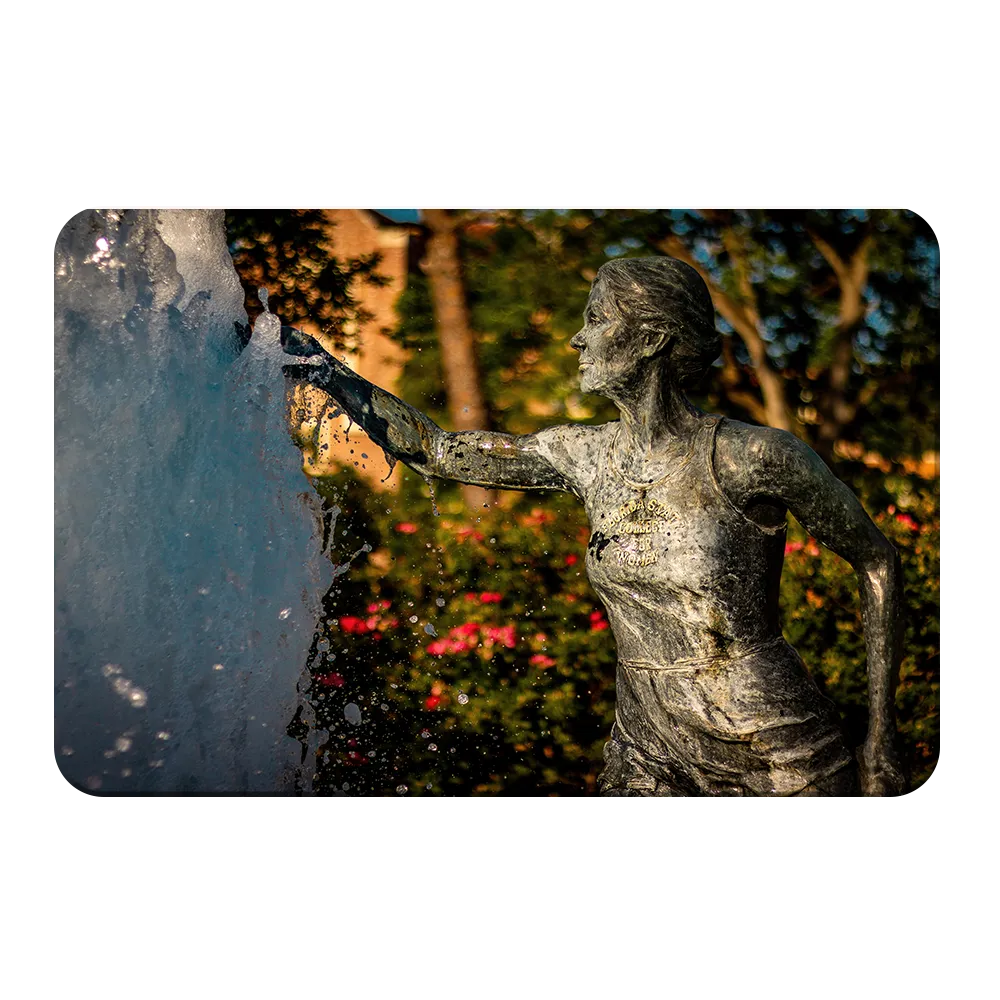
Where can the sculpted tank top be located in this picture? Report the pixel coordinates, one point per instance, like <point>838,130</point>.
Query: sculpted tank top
<point>683,573</point>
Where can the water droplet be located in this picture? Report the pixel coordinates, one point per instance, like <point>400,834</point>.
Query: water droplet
<point>284,613</point>
<point>163,735</point>
<point>123,744</point>
<point>353,714</point>
<point>440,602</point>
<point>401,789</point>
<point>463,699</point>
<point>432,746</point>
<point>218,666</point>
<point>425,734</point>
<point>67,751</point>
<point>413,619</point>
<point>430,629</point>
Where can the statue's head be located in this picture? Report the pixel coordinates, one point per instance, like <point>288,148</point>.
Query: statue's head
<point>641,311</point>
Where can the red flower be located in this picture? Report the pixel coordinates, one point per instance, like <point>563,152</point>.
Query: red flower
<point>330,680</point>
<point>377,606</point>
<point>537,517</point>
<point>469,628</point>
<point>540,660</point>
<point>438,648</point>
<point>598,626</point>
<point>406,527</point>
<point>471,597</point>
<point>490,597</point>
<point>463,533</point>
<point>357,626</point>
<point>907,522</point>
<point>596,616</point>
<point>571,559</point>
<point>503,634</point>
<point>432,701</point>
<point>792,547</point>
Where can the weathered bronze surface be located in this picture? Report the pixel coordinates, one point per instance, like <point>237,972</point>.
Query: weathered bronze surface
<point>687,513</point>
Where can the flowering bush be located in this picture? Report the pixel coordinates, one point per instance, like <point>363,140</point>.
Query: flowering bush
<point>471,650</point>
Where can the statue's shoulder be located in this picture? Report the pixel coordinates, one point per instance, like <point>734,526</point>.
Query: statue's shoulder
<point>737,443</point>
<point>748,457</point>
<point>576,450</point>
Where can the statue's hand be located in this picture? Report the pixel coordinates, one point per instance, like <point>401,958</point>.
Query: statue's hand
<point>879,767</point>
<point>317,366</point>
<point>300,344</point>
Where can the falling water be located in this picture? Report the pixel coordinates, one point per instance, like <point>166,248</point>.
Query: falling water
<point>188,570</point>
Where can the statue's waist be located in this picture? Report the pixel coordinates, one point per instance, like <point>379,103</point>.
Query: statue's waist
<point>692,663</point>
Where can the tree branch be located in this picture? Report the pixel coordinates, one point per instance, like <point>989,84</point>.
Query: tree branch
<point>744,320</point>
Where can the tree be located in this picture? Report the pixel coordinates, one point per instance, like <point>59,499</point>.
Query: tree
<point>466,402</point>
<point>289,253</point>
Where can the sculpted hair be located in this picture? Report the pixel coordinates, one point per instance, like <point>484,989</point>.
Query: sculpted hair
<point>667,295</point>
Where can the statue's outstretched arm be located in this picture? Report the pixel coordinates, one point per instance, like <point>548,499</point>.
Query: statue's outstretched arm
<point>777,466</point>
<point>482,458</point>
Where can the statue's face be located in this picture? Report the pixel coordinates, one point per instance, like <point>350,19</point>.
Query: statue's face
<point>608,351</point>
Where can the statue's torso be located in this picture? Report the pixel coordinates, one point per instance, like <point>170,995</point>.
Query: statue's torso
<point>682,573</point>
<point>710,698</point>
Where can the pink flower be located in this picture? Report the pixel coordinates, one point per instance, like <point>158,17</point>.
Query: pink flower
<point>598,626</point>
<point>438,648</point>
<point>907,522</point>
<point>406,527</point>
<point>490,597</point>
<point>471,597</point>
<point>377,606</point>
<point>330,680</point>
<point>571,559</point>
<point>540,660</point>
<point>432,701</point>
<point>792,547</point>
<point>463,533</point>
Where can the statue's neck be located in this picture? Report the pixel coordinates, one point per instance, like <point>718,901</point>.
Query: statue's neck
<point>655,414</point>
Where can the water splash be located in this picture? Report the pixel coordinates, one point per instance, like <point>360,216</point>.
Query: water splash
<point>185,546</point>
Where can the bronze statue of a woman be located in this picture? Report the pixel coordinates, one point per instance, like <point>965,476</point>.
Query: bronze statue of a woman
<point>687,512</point>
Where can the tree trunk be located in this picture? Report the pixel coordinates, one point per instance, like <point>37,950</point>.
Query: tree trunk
<point>463,384</point>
